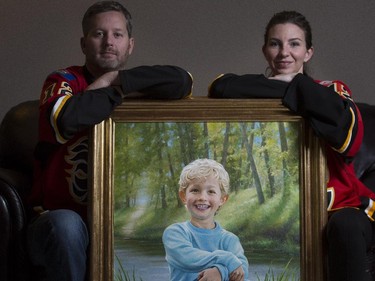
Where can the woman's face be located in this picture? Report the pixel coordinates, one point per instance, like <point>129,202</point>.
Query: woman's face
<point>285,49</point>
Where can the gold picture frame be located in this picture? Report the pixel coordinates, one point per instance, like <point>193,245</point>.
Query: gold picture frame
<point>312,171</point>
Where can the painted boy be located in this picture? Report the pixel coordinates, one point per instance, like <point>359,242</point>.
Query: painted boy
<point>200,249</point>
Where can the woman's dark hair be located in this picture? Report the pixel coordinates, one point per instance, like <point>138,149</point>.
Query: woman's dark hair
<point>106,6</point>
<point>294,18</point>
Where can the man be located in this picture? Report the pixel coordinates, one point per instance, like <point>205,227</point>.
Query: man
<point>72,101</point>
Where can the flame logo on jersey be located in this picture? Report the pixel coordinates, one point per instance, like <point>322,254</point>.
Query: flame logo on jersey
<point>65,89</point>
<point>338,87</point>
<point>50,90</point>
<point>77,179</point>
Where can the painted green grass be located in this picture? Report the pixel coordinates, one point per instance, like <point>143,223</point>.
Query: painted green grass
<point>286,275</point>
<point>122,275</point>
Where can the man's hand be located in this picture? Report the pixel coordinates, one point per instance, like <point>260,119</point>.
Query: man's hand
<point>106,80</point>
<point>211,274</point>
<point>237,275</point>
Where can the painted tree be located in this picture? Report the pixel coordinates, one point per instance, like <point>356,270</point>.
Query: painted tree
<point>248,143</point>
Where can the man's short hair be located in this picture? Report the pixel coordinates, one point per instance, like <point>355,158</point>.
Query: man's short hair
<point>106,6</point>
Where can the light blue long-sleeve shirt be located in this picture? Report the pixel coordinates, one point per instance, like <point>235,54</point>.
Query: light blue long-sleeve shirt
<point>190,250</point>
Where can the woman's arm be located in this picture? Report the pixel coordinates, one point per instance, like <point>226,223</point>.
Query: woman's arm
<point>246,86</point>
<point>330,110</point>
<point>328,106</point>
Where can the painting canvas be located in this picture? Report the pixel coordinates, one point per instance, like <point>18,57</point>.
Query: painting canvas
<point>271,158</point>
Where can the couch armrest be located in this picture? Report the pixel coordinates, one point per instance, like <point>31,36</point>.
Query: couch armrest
<point>364,161</point>
<point>13,220</point>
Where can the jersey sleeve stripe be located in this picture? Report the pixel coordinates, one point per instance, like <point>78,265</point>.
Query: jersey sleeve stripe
<point>370,209</point>
<point>348,139</point>
<point>54,116</point>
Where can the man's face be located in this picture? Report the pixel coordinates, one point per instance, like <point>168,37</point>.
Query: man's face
<point>107,44</point>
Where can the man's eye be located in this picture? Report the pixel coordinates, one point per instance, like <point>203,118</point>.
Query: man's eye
<point>117,35</point>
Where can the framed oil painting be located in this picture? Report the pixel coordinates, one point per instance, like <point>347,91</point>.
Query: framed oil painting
<point>277,172</point>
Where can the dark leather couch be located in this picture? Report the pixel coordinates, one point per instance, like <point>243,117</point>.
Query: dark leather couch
<point>18,136</point>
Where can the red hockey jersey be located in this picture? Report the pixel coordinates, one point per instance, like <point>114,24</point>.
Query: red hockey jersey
<point>67,111</point>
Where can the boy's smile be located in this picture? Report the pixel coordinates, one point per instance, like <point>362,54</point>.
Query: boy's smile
<point>202,207</point>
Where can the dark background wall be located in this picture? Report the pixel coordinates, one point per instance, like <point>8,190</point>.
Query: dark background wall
<point>206,37</point>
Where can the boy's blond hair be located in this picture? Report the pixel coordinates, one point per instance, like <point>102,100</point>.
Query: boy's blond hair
<point>201,169</point>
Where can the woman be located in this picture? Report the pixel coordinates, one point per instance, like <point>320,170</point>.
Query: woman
<point>334,117</point>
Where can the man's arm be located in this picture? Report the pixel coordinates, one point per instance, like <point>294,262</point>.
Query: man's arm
<point>79,112</point>
<point>65,108</point>
<point>158,81</point>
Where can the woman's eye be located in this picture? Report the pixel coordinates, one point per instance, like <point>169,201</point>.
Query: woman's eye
<point>294,44</point>
<point>273,44</point>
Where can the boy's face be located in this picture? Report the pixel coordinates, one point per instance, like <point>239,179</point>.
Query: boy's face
<point>202,199</point>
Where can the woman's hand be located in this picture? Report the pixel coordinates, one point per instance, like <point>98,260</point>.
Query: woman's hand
<point>237,275</point>
<point>211,274</point>
<point>283,77</point>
